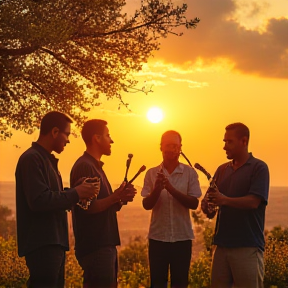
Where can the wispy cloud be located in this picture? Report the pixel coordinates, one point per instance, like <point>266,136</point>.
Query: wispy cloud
<point>155,83</point>
<point>191,84</point>
<point>151,72</point>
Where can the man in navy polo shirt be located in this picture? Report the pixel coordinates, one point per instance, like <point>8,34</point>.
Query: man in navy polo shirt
<point>242,197</point>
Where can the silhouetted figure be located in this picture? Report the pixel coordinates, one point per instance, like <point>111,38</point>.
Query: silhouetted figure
<point>41,204</point>
<point>96,229</point>
<point>170,190</point>
<point>242,195</point>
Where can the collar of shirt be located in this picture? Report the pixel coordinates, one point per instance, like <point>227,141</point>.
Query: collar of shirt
<point>44,152</point>
<point>248,162</point>
<point>178,170</point>
<point>98,164</point>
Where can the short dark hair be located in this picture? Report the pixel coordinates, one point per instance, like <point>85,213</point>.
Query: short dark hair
<point>240,129</point>
<point>54,119</point>
<point>171,132</point>
<point>92,127</point>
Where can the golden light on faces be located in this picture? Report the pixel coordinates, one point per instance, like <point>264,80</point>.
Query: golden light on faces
<point>155,115</point>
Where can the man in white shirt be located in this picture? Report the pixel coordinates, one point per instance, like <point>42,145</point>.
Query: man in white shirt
<point>170,190</point>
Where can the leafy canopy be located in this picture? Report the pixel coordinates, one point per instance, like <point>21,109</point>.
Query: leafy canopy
<point>64,55</point>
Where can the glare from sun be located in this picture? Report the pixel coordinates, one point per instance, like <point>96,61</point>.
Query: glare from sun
<point>155,115</point>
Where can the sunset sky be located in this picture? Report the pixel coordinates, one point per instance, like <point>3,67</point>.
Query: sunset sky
<point>232,68</point>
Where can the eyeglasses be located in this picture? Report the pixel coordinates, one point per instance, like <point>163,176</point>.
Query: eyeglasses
<point>66,133</point>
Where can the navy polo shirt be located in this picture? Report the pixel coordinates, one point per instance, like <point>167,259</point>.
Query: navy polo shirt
<point>242,227</point>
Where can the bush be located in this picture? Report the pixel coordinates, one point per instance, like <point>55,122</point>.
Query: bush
<point>133,264</point>
<point>13,270</point>
<point>73,271</point>
<point>276,258</point>
<point>199,274</point>
<point>133,259</point>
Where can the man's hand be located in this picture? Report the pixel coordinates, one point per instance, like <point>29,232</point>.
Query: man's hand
<point>125,193</point>
<point>87,191</point>
<point>163,182</point>
<point>160,182</point>
<point>168,186</point>
<point>128,193</point>
<point>216,197</point>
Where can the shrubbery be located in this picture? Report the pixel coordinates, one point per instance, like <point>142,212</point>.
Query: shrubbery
<point>276,258</point>
<point>133,264</point>
<point>133,261</point>
<point>13,270</point>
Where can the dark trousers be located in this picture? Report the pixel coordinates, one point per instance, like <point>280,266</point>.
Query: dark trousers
<point>173,255</point>
<point>100,268</point>
<point>46,267</point>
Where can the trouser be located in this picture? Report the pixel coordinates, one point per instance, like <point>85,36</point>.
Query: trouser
<point>237,267</point>
<point>173,255</point>
<point>100,268</point>
<point>46,267</point>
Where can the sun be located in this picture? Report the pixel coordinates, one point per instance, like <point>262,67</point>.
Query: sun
<point>155,115</point>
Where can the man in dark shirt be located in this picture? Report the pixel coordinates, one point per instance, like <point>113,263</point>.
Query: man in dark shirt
<point>41,204</point>
<point>96,229</point>
<point>242,197</point>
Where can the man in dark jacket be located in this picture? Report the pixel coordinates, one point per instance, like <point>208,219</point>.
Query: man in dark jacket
<point>41,204</point>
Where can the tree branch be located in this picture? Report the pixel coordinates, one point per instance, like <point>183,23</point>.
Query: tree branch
<point>18,51</point>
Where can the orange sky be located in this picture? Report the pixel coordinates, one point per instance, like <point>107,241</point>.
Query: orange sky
<point>232,68</point>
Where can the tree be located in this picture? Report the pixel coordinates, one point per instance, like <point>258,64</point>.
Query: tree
<point>63,55</point>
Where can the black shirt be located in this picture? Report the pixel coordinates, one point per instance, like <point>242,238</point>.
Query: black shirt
<point>40,202</point>
<point>93,231</point>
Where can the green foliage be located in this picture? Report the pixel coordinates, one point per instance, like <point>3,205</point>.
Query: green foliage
<point>279,233</point>
<point>65,55</point>
<point>207,226</point>
<point>197,216</point>
<point>199,274</point>
<point>133,261</point>
<point>73,271</point>
<point>208,232</point>
<point>133,264</point>
<point>276,258</point>
<point>13,270</point>
<point>14,273</point>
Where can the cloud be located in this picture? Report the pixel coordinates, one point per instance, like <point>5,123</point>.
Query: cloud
<point>147,72</point>
<point>159,69</point>
<point>192,84</point>
<point>154,82</point>
<point>220,35</point>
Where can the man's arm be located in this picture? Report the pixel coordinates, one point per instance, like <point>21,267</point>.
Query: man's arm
<point>40,196</point>
<point>246,202</point>
<point>150,201</point>
<point>187,201</point>
<point>258,191</point>
<point>190,198</point>
<point>125,193</point>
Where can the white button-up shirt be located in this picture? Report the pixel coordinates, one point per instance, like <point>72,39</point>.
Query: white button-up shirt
<point>170,220</point>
